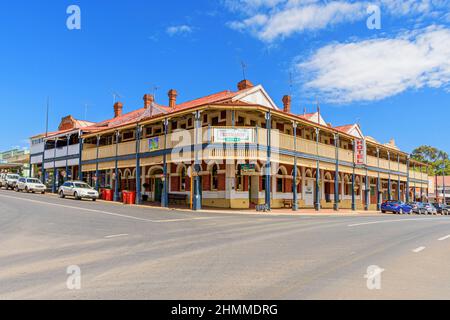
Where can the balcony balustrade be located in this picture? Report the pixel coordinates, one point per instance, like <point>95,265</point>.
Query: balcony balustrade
<point>282,141</point>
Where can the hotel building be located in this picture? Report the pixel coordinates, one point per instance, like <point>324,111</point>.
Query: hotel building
<point>239,149</point>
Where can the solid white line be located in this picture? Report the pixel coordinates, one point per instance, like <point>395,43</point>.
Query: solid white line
<point>391,221</point>
<point>102,212</point>
<point>444,238</point>
<point>116,236</point>
<point>419,249</point>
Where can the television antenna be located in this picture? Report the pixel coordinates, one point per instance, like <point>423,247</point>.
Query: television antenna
<point>244,68</point>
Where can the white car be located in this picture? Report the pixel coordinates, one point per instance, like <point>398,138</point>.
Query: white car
<point>30,185</point>
<point>79,190</point>
<point>2,179</point>
<point>10,181</point>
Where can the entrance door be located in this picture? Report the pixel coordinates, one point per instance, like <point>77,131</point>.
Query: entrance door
<point>253,190</point>
<point>309,193</point>
<point>158,189</point>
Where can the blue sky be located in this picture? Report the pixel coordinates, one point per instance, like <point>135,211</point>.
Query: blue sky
<point>394,81</point>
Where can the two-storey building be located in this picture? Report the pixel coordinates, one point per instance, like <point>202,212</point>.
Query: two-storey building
<point>238,149</point>
<point>55,156</point>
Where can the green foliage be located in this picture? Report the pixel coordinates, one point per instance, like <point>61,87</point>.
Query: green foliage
<point>437,160</point>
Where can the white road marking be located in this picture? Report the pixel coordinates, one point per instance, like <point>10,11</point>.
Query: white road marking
<point>116,235</point>
<point>419,249</point>
<point>105,212</point>
<point>444,238</point>
<point>391,221</point>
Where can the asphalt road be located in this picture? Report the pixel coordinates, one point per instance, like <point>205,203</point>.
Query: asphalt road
<point>141,253</point>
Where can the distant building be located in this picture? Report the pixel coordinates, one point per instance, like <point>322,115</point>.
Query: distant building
<point>443,187</point>
<point>15,160</point>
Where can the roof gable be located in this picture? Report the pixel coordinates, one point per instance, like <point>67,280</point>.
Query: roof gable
<point>314,117</point>
<point>256,95</point>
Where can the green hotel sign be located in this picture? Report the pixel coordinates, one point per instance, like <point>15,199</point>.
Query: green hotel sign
<point>229,135</point>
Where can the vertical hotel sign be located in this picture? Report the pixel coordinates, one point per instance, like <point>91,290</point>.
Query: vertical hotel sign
<point>360,153</point>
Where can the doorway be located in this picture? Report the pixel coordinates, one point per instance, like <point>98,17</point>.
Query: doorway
<point>309,193</point>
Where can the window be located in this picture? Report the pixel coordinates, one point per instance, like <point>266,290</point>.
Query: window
<point>241,121</point>
<point>215,121</point>
<point>189,122</point>
<point>280,185</point>
<point>183,179</point>
<point>205,118</point>
<point>127,136</point>
<point>223,115</point>
<point>253,123</point>
<point>214,178</point>
<point>174,125</point>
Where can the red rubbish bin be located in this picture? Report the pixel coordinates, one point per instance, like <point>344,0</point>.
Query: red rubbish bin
<point>131,197</point>
<point>102,194</point>
<point>108,194</point>
<point>125,197</point>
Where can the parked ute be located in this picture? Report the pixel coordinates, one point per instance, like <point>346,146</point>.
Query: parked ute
<point>396,207</point>
<point>10,181</point>
<point>79,190</point>
<point>30,185</point>
<point>442,208</point>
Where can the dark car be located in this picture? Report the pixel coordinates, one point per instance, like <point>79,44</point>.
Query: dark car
<point>396,207</point>
<point>441,208</point>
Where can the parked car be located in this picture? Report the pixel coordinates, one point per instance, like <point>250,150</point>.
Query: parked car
<point>30,185</point>
<point>396,207</point>
<point>416,207</point>
<point>430,209</point>
<point>442,208</point>
<point>79,190</point>
<point>2,180</point>
<point>10,181</point>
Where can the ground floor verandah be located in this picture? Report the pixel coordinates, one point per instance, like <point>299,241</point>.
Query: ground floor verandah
<point>243,184</point>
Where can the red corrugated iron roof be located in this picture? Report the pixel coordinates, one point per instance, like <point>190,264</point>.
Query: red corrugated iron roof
<point>213,98</point>
<point>345,128</point>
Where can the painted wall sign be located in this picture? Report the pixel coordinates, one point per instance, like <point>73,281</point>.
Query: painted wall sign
<point>153,144</point>
<point>234,135</point>
<point>360,153</point>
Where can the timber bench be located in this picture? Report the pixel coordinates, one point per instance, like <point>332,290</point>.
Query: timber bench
<point>177,198</point>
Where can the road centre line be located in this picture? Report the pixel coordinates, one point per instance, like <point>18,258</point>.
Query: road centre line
<point>117,235</point>
<point>444,238</point>
<point>419,249</point>
<point>392,221</point>
<point>106,212</point>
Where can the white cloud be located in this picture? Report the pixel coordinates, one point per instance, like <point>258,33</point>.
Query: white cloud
<point>269,20</point>
<point>181,29</point>
<point>376,69</point>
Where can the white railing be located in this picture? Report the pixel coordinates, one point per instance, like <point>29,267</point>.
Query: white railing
<point>62,152</point>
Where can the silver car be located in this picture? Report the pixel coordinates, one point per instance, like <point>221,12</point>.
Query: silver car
<point>30,185</point>
<point>430,209</point>
<point>79,190</point>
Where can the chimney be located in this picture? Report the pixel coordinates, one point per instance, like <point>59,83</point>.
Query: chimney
<point>245,84</point>
<point>287,104</point>
<point>172,98</point>
<point>118,107</point>
<point>148,100</point>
